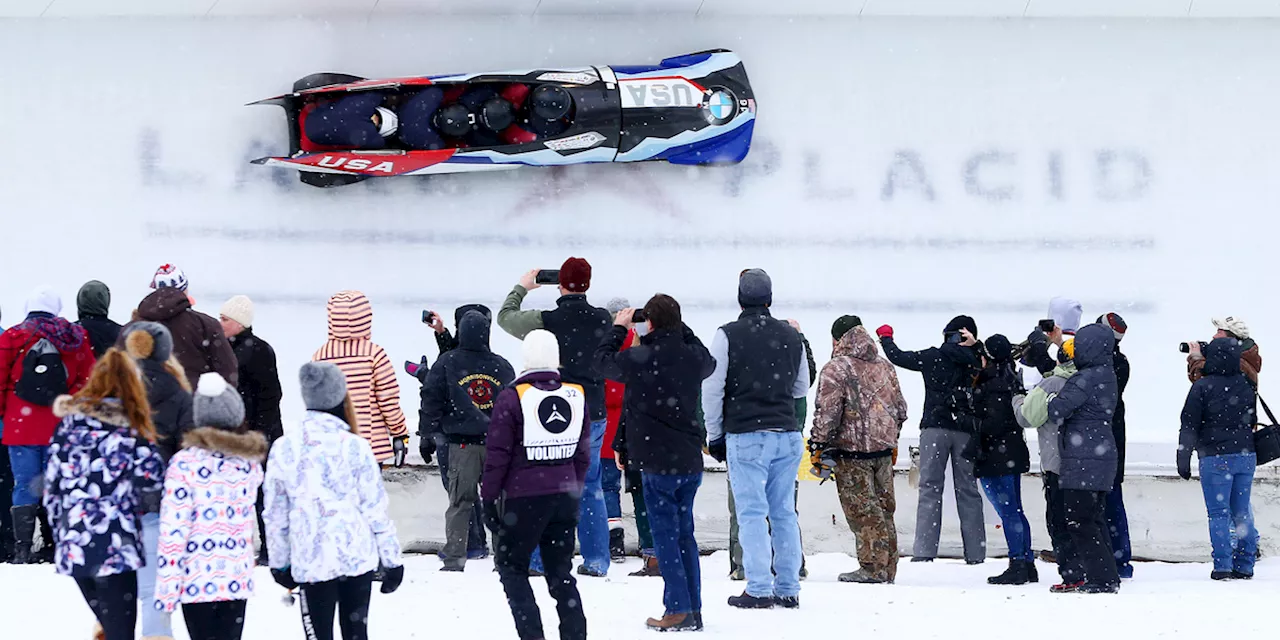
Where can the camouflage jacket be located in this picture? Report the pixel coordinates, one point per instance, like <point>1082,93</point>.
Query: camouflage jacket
<point>860,408</point>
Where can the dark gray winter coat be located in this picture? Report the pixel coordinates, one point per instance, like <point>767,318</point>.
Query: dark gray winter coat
<point>458,396</point>
<point>1085,409</point>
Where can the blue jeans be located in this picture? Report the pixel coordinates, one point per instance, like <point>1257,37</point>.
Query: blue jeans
<point>611,484</point>
<point>1118,523</point>
<point>762,470</point>
<point>28,465</point>
<point>1227,481</point>
<point>669,499</point>
<point>1005,494</point>
<point>154,623</point>
<point>593,522</point>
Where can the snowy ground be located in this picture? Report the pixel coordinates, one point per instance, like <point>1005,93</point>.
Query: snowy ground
<point>941,600</point>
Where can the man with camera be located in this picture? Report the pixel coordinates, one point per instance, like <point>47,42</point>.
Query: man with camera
<point>578,327</point>
<point>948,432</point>
<point>1228,327</point>
<point>662,438</point>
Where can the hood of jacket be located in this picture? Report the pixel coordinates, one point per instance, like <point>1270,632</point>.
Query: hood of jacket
<point>1094,346</point>
<point>94,299</point>
<point>473,331</point>
<point>1222,357</point>
<point>1066,313</point>
<point>163,304</point>
<point>250,445</point>
<point>856,343</point>
<point>64,335</point>
<point>350,316</point>
<point>108,411</point>
<point>1065,370</point>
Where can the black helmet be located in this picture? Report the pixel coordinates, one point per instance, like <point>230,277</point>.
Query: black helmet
<point>497,114</point>
<point>550,102</point>
<point>453,121</point>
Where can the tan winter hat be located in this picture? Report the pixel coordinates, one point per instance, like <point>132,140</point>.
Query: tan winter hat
<point>1234,326</point>
<point>240,309</point>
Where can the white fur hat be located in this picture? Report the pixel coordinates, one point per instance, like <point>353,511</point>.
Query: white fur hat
<point>541,351</point>
<point>238,308</point>
<point>1234,326</point>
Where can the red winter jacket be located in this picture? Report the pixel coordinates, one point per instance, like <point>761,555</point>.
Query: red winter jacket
<point>613,394</point>
<point>26,424</point>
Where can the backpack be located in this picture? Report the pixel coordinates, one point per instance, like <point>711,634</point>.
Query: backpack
<point>44,377</point>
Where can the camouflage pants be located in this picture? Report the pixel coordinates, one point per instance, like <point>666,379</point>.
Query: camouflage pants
<point>866,495</point>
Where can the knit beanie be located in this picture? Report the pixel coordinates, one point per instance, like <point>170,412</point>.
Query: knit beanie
<point>323,386</point>
<point>961,322</point>
<point>541,351</point>
<point>575,275</point>
<point>216,403</point>
<point>843,325</point>
<point>1068,349</point>
<point>169,275</point>
<point>1116,323</point>
<point>755,289</point>
<point>462,311</point>
<point>238,308</point>
<point>147,341</point>
<point>999,348</point>
<point>615,305</point>
<point>44,300</point>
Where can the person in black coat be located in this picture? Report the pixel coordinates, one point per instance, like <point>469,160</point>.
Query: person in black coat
<point>948,432</point>
<point>662,436</point>
<point>457,400</point>
<point>1117,517</point>
<point>1084,410</point>
<point>1217,423</point>
<point>93,302</point>
<point>1003,457</point>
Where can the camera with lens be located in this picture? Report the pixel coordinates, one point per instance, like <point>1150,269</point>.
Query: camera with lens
<point>1186,348</point>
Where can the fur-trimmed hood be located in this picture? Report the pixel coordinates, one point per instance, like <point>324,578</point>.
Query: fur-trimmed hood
<point>250,445</point>
<point>108,411</point>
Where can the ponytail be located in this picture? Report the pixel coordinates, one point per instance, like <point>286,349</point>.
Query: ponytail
<point>115,375</point>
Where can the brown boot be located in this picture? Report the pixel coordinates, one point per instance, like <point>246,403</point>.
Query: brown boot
<point>649,570</point>
<point>673,622</point>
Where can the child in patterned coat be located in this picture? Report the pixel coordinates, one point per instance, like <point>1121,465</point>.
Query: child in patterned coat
<point>206,557</point>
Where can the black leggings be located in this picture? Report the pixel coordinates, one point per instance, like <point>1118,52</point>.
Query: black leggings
<point>215,620</point>
<point>114,600</point>
<point>350,596</point>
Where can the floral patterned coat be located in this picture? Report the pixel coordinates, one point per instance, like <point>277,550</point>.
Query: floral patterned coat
<point>99,474</point>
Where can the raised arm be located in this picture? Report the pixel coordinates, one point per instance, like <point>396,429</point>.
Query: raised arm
<point>909,360</point>
<point>513,320</point>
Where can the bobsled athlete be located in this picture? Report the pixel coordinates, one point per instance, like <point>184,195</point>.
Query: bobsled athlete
<point>358,121</point>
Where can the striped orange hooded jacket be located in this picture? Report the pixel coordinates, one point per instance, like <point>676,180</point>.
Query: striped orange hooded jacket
<point>371,379</point>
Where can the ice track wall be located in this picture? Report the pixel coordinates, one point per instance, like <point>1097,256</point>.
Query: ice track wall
<point>903,170</point>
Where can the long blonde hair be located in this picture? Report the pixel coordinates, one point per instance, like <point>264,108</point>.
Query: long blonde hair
<point>116,375</point>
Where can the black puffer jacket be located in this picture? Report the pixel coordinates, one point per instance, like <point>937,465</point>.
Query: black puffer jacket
<point>1003,448</point>
<point>1218,416</point>
<point>458,396</point>
<point>170,407</point>
<point>948,373</point>
<point>1085,408</point>
<point>259,384</point>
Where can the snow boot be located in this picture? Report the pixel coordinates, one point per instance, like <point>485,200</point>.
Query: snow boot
<point>45,554</point>
<point>584,570</point>
<point>1223,575</point>
<point>649,570</point>
<point>24,530</point>
<point>1240,575</point>
<point>674,622</point>
<point>921,559</point>
<point>1099,587</point>
<point>1048,557</point>
<point>748,601</point>
<point>791,602</point>
<point>861,577</point>
<point>1066,587</point>
<point>617,545</point>
<point>1016,574</point>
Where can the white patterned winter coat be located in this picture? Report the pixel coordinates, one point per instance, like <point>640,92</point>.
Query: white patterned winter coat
<point>207,518</point>
<point>326,508</point>
<point>99,475</point>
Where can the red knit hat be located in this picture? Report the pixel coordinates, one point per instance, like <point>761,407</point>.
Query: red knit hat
<point>575,275</point>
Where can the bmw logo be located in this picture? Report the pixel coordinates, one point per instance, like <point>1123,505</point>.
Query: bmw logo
<point>720,107</point>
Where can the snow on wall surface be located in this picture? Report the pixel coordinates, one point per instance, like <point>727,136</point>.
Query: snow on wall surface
<point>902,170</point>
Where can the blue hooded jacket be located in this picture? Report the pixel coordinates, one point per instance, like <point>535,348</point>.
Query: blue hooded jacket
<point>1218,416</point>
<point>1084,409</point>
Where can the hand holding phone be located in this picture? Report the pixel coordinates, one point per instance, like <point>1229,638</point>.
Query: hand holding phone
<point>547,276</point>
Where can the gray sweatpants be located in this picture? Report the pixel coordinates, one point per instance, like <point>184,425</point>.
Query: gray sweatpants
<point>937,446</point>
<point>466,466</point>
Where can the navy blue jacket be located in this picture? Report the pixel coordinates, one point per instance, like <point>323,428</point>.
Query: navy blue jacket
<point>1084,409</point>
<point>949,373</point>
<point>663,377</point>
<point>463,384</point>
<point>579,328</point>
<point>346,122</point>
<point>1218,416</point>
<point>417,127</point>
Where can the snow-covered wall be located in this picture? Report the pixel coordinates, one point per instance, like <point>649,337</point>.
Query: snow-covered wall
<point>903,170</point>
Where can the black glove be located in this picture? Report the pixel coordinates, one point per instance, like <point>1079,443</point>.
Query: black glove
<point>400,449</point>
<point>1038,337</point>
<point>491,518</point>
<point>1184,464</point>
<point>426,447</point>
<point>718,449</point>
<point>391,579</point>
<point>284,578</point>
